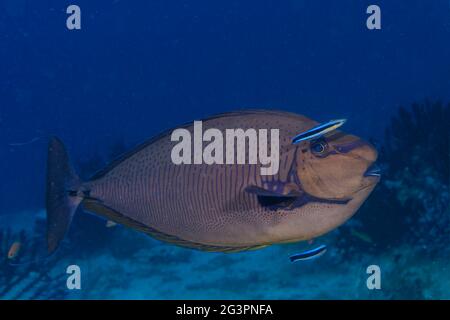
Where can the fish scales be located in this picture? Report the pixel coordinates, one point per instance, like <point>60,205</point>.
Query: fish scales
<point>321,182</point>
<point>218,213</point>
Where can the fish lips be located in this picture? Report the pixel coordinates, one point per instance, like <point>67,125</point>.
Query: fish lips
<point>373,171</point>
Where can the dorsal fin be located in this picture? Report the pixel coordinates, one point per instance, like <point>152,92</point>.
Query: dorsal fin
<point>146,143</point>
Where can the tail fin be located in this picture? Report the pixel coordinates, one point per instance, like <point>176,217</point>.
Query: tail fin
<point>63,196</point>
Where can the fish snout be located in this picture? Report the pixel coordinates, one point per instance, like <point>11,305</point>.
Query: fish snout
<point>371,155</point>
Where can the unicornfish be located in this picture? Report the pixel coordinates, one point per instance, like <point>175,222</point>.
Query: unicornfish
<point>324,176</point>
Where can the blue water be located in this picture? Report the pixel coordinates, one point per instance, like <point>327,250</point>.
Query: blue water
<point>137,68</point>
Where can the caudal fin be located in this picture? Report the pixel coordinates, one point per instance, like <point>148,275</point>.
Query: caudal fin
<point>63,196</point>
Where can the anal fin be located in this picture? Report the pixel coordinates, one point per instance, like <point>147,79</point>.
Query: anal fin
<point>99,208</point>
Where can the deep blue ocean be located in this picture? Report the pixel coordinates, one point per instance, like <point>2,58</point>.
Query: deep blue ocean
<point>136,68</point>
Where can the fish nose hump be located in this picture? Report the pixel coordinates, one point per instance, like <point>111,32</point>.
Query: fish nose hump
<point>372,152</point>
<point>365,151</point>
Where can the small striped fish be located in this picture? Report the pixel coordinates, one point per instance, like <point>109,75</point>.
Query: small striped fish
<point>309,254</point>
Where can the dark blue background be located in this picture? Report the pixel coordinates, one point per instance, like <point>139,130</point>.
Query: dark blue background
<point>138,67</point>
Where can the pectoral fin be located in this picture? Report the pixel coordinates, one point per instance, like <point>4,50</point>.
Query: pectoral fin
<point>287,200</point>
<point>272,199</point>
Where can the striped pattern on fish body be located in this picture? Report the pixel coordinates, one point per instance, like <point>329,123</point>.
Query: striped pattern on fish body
<point>201,203</point>
<point>221,207</point>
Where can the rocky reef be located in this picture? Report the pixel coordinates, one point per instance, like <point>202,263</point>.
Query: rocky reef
<point>413,199</point>
<point>24,272</point>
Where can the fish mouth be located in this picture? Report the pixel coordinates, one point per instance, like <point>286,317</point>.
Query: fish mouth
<point>373,171</point>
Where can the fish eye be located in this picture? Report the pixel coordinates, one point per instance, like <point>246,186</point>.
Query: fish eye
<point>318,147</point>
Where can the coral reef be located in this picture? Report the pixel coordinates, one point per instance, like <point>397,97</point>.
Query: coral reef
<point>28,276</point>
<point>413,197</point>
